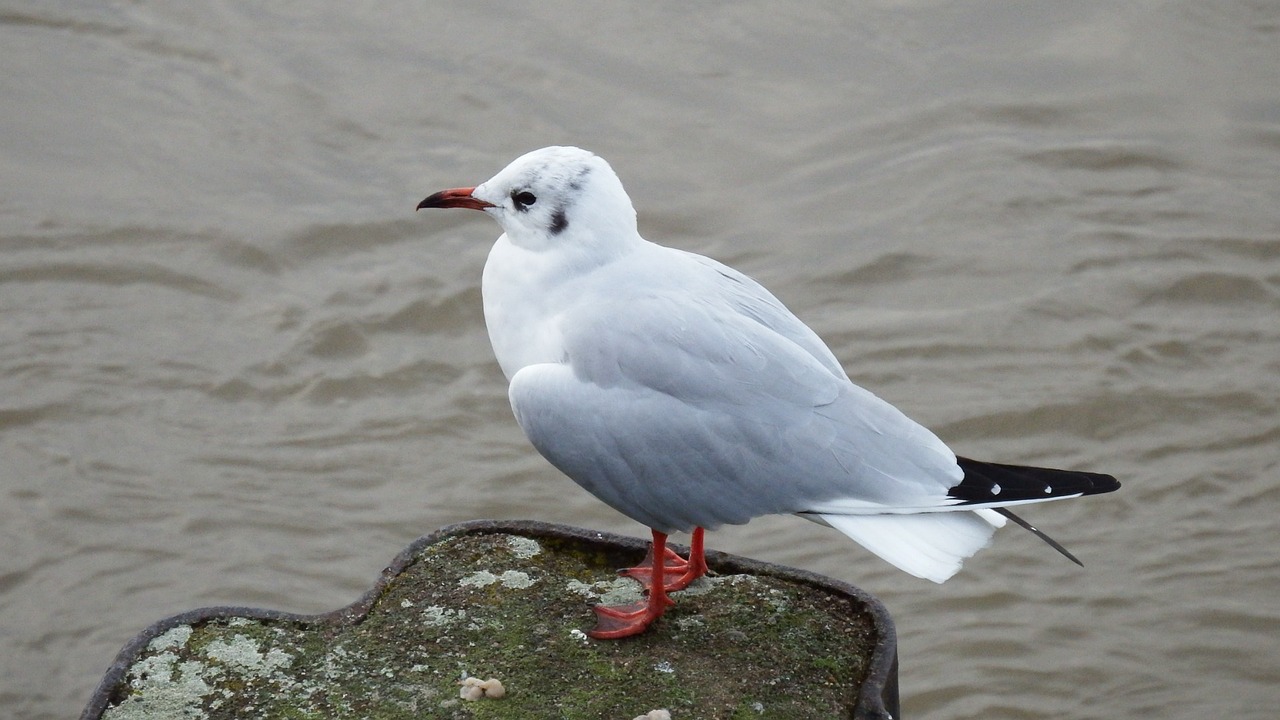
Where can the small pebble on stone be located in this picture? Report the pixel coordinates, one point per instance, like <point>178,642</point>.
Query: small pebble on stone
<point>474,688</point>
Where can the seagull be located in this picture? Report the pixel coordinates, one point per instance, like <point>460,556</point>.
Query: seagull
<point>684,395</point>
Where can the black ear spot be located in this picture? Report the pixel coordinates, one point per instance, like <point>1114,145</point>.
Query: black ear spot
<point>523,199</point>
<point>576,183</point>
<point>559,221</point>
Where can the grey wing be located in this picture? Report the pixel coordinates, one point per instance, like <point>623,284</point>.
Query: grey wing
<point>679,414</point>
<point>752,300</point>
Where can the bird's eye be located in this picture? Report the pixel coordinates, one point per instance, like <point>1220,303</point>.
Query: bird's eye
<point>524,199</point>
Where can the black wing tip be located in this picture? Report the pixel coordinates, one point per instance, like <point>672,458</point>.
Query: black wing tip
<point>989,483</point>
<point>986,483</point>
<point>1099,483</point>
<point>1107,484</point>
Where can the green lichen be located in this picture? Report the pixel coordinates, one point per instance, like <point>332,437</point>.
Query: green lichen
<point>515,609</point>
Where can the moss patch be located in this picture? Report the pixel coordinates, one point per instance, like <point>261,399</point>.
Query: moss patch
<point>515,609</point>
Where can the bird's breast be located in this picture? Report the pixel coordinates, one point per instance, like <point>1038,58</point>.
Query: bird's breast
<point>521,308</point>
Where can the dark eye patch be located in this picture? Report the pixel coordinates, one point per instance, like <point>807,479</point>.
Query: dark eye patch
<point>523,199</point>
<point>559,221</point>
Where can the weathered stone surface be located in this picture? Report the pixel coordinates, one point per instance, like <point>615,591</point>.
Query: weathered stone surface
<point>511,602</point>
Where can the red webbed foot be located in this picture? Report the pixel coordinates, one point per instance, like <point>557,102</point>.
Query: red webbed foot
<point>673,573</point>
<point>619,621</point>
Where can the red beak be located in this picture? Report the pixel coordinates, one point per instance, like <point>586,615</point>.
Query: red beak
<point>455,198</point>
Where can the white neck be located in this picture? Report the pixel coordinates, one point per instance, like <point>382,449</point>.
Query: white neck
<point>525,291</point>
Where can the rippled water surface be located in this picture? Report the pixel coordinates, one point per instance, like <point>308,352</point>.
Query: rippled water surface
<point>235,367</point>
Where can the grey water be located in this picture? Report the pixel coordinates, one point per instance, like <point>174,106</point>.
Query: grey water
<point>236,368</point>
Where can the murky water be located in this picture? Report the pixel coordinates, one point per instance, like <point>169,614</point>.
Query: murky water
<point>235,368</point>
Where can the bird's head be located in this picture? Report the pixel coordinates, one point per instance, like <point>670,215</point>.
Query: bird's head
<point>551,197</point>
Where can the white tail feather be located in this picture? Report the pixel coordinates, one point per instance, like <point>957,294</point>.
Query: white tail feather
<point>930,545</point>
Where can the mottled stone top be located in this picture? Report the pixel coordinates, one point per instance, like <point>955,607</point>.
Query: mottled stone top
<point>487,620</point>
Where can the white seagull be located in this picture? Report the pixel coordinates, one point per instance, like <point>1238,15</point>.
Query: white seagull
<point>686,396</point>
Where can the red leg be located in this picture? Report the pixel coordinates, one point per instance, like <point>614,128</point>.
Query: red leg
<point>696,567</point>
<point>613,622</point>
<point>678,571</point>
